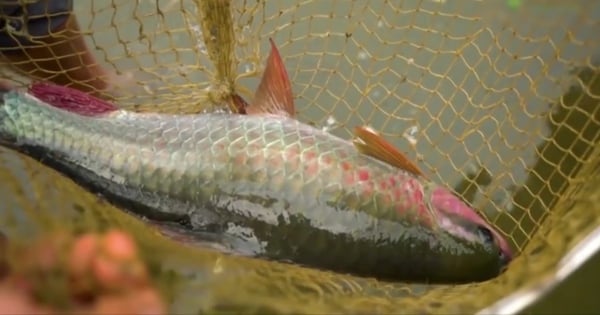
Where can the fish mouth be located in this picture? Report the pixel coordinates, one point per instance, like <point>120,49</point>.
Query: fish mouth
<point>506,257</point>
<point>504,262</point>
<point>506,254</point>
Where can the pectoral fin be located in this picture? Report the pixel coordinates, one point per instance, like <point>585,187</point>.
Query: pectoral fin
<point>371,143</point>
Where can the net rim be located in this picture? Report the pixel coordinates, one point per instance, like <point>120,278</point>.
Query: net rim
<point>575,258</point>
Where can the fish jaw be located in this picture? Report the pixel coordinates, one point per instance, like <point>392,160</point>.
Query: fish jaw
<point>458,218</point>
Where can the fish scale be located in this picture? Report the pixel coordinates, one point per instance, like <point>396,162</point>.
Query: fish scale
<point>305,195</point>
<point>129,133</point>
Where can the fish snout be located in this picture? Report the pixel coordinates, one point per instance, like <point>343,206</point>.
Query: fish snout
<point>453,207</point>
<point>491,237</point>
<point>506,254</point>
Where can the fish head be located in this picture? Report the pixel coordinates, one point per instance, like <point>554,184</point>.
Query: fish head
<point>457,218</point>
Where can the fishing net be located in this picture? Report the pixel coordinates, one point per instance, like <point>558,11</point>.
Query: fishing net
<point>499,100</point>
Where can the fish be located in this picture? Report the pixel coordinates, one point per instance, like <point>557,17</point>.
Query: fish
<point>261,183</point>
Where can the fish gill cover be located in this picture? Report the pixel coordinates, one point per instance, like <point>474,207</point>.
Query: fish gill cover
<point>498,100</point>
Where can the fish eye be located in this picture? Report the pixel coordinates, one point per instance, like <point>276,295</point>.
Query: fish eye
<point>486,235</point>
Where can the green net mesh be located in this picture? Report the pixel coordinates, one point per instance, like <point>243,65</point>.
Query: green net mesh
<point>497,99</point>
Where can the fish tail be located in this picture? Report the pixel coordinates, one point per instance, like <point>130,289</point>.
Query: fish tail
<point>41,96</point>
<point>70,99</point>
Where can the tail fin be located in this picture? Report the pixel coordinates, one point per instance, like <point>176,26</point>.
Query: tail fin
<point>70,99</point>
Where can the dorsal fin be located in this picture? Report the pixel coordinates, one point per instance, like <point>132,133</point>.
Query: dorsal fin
<point>274,93</point>
<point>70,99</point>
<point>371,143</point>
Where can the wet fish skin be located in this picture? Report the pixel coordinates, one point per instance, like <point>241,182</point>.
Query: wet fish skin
<point>288,190</point>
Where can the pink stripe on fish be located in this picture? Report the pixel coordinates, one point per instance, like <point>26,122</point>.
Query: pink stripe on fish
<point>408,195</point>
<point>443,200</point>
<point>311,163</point>
<point>70,99</point>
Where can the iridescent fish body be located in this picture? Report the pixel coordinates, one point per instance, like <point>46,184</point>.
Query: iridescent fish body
<point>263,183</point>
